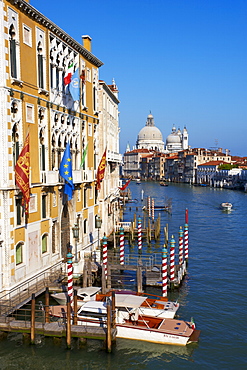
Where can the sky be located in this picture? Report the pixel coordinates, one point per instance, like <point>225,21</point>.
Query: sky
<point>185,61</point>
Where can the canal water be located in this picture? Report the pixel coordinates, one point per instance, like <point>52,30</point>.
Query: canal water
<point>213,292</point>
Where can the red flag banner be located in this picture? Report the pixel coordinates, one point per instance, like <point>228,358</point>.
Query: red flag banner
<point>125,185</point>
<point>101,170</point>
<point>22,171</point>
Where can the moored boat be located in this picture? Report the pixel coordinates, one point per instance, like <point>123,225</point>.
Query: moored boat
<point>84,295</point>
<point>156,306</point>
<point>132,324</point>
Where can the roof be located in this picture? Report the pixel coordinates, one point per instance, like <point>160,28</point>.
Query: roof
<point>212,163</point>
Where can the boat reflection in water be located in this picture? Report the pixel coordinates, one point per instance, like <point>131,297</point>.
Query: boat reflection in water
<point>154,350</point>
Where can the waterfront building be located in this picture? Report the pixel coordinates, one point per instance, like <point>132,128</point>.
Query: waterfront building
<point>49,89</point>
<point>109,139</point>
<point>183,166</point>
<point>152,166</point>
<point>132,162</point>
<point>207,171</point>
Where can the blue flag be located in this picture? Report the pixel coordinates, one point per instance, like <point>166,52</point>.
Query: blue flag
<point>74,86</point>
<point>65,171</point>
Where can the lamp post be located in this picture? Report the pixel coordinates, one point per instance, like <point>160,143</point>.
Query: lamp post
<point>75,230</point>
<point>98,223</point>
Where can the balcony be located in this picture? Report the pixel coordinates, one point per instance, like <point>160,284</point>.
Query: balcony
<point>49,178</point>
<point>114,157</point>
<point>77,176</point>
<point>88,175</point>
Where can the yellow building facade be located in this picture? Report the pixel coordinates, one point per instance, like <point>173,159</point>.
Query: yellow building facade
<point>36,58</point>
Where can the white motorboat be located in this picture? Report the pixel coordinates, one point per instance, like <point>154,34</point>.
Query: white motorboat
<point>226,206</point>
<point>155,307</point>
<point>132,324</point>
<point>148,307</point>
<point>84,295</point>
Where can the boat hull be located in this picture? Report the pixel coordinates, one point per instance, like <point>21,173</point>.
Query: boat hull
<point>147,335</point>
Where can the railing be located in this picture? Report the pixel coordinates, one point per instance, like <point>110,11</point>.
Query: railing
<point>24,290</point>
<point>77,176</point>
<point>49,177</point>
<point>145,260</point>
<point>125,225</point>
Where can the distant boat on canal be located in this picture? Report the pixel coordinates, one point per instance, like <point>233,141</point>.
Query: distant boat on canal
<point>226,206</point>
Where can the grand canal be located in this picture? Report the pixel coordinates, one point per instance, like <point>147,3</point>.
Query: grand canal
<point>214,293</point>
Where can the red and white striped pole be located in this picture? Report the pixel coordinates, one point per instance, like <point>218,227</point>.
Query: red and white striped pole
<point>70,276</point>
<point>105,255</point>
<point>181,257</point>
<point>186,242</point>
<point>149,207</point>
<point>121,246</point>
<point>172,262</point>
<point>139,230</point>
<point>164,272</point>
<point>153,209</point>
<point>186,236</point>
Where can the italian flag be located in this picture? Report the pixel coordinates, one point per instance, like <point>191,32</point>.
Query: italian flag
<point>68,76</point>
<point>193,325</point>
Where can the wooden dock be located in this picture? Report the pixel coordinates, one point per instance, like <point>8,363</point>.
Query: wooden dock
<point>54,329</point>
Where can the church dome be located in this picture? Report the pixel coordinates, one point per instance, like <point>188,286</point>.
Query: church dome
<point>150,137</point>
<point>150,133</point>
<point>173,139</point>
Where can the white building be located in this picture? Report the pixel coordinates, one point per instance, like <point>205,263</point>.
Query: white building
<point>150,137</point>
<point>109,140</point>
<point>177,140</point>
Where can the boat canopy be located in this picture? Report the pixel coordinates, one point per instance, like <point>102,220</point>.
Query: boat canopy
<point>130,301</point>
<point>88,291</point>
<point>93,306</point>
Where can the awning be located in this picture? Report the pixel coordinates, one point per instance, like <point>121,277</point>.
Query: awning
<point>130,301</point>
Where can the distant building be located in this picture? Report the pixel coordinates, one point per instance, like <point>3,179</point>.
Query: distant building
<point>150,137</point>
<point>177,140</point>
<point>150,146</point>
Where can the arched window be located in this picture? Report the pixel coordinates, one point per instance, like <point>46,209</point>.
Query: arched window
<point>44,243</point>
<point>15,143</point>
<point>19,253</point>
<point>40,66</point>
<point>13,68</point>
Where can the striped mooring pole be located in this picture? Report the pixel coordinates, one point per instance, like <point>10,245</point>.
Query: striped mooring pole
<point>153,209</point>
<point>70,276</point>
<point>172,262</point>
<point>164,271</point>
<point>186,236</point>
<point>149,207</point>
<point>121,241</point>
<point>105,255</point>
<point>139,230</point>
<point>181,257</point>
<point>186,242</point>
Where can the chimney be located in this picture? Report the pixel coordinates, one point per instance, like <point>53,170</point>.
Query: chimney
<point>86,40</point>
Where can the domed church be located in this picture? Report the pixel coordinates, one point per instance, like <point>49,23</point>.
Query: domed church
<point>177,140</point>
<point>150,136</point>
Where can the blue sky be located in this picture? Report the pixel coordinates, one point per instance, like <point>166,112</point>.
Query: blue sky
<point>183,60</point>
